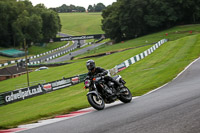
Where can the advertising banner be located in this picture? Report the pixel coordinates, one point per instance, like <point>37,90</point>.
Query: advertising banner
<point>2,101</point>
<point>83,37</point>
<point>121,67</point>
<point>21,94</point>
<point>47,87</point>
<point>61,84</point>
<point>82,77</point>
<point>75,80</point>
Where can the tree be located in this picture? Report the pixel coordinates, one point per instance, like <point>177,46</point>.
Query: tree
<point>80,9</point>
<point>51,24</point>
<point>99,7</point>
<point>126,19</point>
<point>71,8</point>
<point>20,20</point>
<point>28,28</point>
<point>111,22</point>
<point>90,8</point>
<point>96,8</point>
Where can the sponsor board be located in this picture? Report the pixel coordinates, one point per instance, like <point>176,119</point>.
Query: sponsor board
<point>121,67</point>
<point>61,84</point>
<point>21,94</point>
<point>47,87</point>
<point>84,37</point>
<point>2,100</point>
<point>75,80</point>
<point>82,77</point>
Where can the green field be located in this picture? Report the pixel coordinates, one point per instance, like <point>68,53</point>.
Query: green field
<point>81,23</point>
<point>153,71</point>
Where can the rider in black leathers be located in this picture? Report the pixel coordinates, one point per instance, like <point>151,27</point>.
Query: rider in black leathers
<point>98,71</point>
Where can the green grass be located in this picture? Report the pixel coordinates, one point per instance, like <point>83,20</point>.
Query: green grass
<point>33,50</point>
<point>151,72</point>
<point>173,34</point>
<point>51,104</point>
<point>163,65</point>
<point>81,23</point>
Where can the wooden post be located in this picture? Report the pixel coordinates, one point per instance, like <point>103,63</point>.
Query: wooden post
<point>26,62</point>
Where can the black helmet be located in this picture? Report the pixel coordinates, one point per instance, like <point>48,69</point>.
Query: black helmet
<point>90,65</point>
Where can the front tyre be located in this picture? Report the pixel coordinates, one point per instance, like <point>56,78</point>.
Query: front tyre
<point>95,101</point>
<point>126,96</point>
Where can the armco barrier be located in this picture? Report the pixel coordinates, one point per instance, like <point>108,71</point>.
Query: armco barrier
<point>24,93</point>
<point>21,94</point>
<point>135,58</point>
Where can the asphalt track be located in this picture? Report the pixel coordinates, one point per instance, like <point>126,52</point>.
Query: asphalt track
<point>75,53</point>
<point>59,51</point>
<point>174,108</point>
<point>67,56</point>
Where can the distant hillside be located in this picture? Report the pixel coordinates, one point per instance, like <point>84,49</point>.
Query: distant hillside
<point>81,23</point>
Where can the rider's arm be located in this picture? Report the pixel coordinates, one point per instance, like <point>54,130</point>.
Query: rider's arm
<point>102,71</point>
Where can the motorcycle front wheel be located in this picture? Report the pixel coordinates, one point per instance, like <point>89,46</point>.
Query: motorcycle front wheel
<point>96,102</point>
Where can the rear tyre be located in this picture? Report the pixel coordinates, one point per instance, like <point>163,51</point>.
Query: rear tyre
<point>96,102</point>
<point>126,96</point>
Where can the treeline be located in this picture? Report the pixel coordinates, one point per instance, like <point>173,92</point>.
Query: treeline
<point>21,20</point>
<point>72,8</point>
<point>96,8</point>
<point>127,19</point>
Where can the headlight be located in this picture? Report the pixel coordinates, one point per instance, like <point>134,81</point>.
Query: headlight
<point>87,83</point>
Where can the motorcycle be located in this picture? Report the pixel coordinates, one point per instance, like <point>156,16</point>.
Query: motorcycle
<point>101,92</point>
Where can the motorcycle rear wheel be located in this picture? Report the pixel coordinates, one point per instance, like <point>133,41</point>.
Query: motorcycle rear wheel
<point>126,97</point>
<point>96,102</point>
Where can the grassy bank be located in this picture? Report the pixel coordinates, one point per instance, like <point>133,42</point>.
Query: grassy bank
<point>33,50</point>
<point>173,34</point>
<point>151,72</point>
<point>81,23</point>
